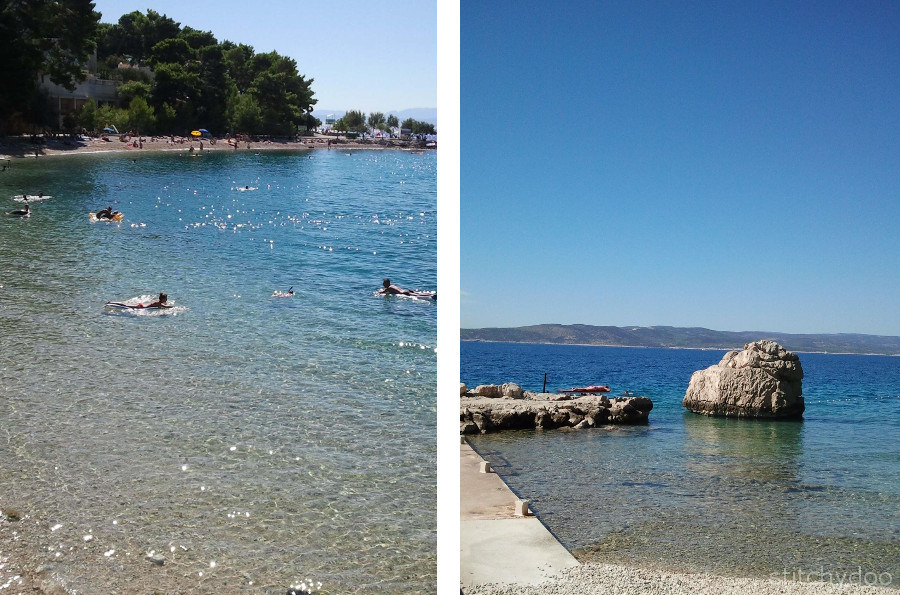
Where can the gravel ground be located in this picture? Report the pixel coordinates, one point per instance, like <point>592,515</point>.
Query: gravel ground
<point>607,579</point>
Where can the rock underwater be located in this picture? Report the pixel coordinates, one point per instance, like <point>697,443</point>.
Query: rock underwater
<point>762,381</point>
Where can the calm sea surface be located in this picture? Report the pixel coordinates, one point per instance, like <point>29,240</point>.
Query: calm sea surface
<point>751,498</point>
<point>253,441</point>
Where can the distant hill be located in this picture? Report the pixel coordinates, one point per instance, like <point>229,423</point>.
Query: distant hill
<point>679,337</point>
<point>422,114</point>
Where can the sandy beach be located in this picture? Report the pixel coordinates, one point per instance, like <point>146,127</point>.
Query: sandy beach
<point>24,147</point>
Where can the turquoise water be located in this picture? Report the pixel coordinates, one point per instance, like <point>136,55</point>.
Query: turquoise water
<point>739,497</point>
<point>254,441</point>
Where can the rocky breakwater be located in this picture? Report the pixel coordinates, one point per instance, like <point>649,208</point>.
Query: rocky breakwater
<point>492,407</point>
<point>762,381</point>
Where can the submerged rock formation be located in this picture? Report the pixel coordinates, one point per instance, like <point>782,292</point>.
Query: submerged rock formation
<point>488,409</point>
<point>764,380</point>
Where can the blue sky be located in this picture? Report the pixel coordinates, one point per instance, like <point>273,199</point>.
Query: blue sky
<point>730,165</point>
<point>370,56</point>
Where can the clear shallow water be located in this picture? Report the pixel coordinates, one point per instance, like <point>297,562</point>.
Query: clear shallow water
<point>278,438</point>
<point>752,498</point>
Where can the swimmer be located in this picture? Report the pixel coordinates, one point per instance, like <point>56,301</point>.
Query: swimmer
<point>106,213</point>
<point>390,289</point>
<point>162,302</point>
<point>26,212</point>
<point>288,293</point>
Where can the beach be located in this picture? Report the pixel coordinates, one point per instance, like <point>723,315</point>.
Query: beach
<point>13,147</point>
<point>609,579</point>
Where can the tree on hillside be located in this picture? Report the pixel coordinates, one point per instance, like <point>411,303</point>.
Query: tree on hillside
<point>176,51</point>
<point>133,89</point>
<point>393,121</point>
<point>246,115</point>
<point>197,39</point>
<point>214,89</point>
<point>175,85</point>
<point>283,95</point>
<point>42,37</point>
<point>135,34</point>
<point>237,64</point>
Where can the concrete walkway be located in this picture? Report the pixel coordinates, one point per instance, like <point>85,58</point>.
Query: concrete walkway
<point>496,546</point>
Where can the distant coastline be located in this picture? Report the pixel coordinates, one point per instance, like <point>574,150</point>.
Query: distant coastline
<point>669,337</point>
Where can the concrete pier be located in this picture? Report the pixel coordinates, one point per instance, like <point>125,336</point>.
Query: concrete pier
<point>496,545</point>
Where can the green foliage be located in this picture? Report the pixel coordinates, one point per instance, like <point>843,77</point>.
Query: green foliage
<point>197,39</point>
<point>166,118</point>
<point>87,116</point>
<point>376,120</point>
<point>175,85</point>
<point>108,115</point>
<point>237,63</point>
<point>140,116</point>
<point>45,37</point>
<point>133,89</point>
<point>354,121</point>
<point>247,116</point>
<point>393,121</point>
<point>175,51</point>
<point>417,127</point>
<point>196,81</point>
<point>136,34</point>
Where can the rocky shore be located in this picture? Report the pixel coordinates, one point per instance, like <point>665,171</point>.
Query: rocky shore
<point>492,408</point>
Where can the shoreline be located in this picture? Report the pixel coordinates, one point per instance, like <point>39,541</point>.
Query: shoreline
<point>615,579</point>
<point>15,148</point>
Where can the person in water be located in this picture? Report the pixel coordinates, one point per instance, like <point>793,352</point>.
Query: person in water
<point>26,212</point>
<point>106,213</point>
<point>162,302</point>
<point>389,289</point>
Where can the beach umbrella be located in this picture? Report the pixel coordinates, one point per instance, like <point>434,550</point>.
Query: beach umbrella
<point>204,131</point>
<point>196,133</point>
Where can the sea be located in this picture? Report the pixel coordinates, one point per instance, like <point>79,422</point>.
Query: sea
<point>810,500</point>
<point>237,442</point>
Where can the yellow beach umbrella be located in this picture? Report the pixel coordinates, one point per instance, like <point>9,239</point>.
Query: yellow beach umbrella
<point>196,133</point>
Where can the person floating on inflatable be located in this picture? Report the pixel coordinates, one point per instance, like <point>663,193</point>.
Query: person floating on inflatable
<point>26,212</point>
<point>390,289</point>
<point>162,302</point>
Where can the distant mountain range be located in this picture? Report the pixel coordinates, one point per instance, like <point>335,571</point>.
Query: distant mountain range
<point>680,337</point>
<point>422,114</point>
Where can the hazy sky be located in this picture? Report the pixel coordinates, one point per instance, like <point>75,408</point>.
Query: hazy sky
<point>731,165</point>
<point>370,56</point>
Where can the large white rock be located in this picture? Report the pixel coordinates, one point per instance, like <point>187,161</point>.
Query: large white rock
<point>511,390</point>
<point>763,380</point>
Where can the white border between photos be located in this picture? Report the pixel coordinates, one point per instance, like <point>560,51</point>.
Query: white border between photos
<point>448,307</point>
